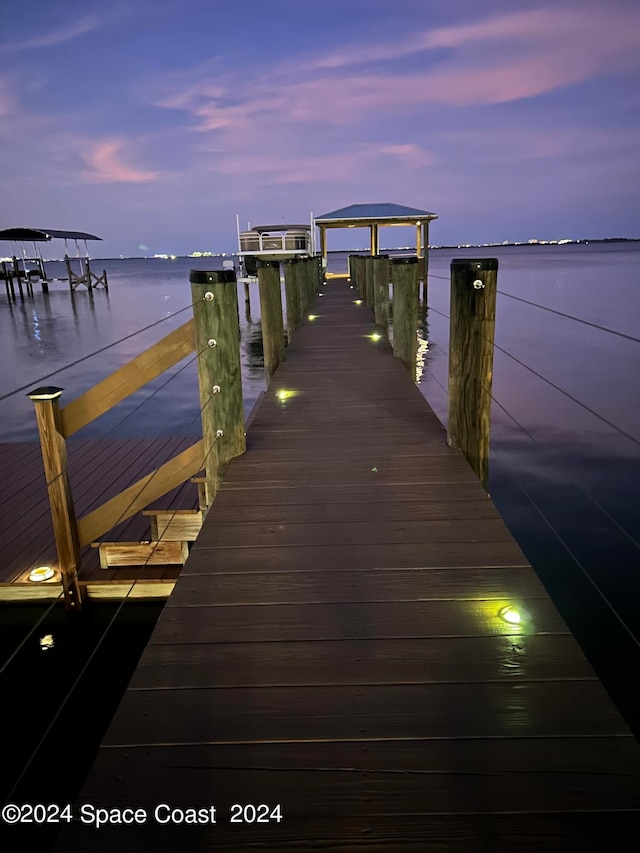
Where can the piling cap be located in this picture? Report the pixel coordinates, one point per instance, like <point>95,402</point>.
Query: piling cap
<point>48,392</point>
<point>211,276</point>
<point>378,256</point>
<point>474,264</point>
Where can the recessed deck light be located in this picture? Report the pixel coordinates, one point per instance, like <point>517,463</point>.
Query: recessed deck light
<point>41,574</point>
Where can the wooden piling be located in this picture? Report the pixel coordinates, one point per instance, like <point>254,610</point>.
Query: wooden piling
<point>404,275</point>
<point>292,295</point>
<point>308,281</point>
<point>471,335</point>
<point>381,290</point>
<point>54,458</point>
<point>357,273</point>
<point>271,315</point>
<point>368,280</point>
<point>215,309</point>
<point>425,262</point>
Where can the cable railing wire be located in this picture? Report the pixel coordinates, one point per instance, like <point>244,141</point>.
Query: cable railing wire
<point>559,538</point>
<point>92,354</point>
<point>553,385</point>
<point>30,632</point>
<point>142,403</point>
<point>69,693</point>
<point>154,473</point>
<point>571,317</point>
<point>56,600</point>
<point>111,621</point>
<point>548,453</point>
<point>555,311</point>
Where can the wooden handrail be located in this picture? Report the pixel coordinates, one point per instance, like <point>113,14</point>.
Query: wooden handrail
<point>141,494</point>
<point>128,379</point>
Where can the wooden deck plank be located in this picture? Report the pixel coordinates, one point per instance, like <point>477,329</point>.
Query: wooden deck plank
<point>356,533</point>
<point>419,661</point>
<point>333,642</point>
<point>231,511</point>
<point>348,712</point>
<point>350,620</point>
<point>346,789</point>
<point>354,557</point>
<point>420,584</point>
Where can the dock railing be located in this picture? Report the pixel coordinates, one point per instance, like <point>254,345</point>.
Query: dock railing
<point>213,334</point>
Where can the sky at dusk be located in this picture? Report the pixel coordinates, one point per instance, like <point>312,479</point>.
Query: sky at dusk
<point>151,123</point>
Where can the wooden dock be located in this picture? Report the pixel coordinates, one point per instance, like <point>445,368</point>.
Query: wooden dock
<point>99,469</point>
<point>333,648</point>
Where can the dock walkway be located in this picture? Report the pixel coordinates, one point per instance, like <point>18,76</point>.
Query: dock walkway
<point>333,646</point>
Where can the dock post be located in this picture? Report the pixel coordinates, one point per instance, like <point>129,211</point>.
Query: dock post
<point>217,337</point>
<point>320,271</point>
<point>404,275</point>
<point>292,295</point>
<point>361,275</point>
<point>368,280</point>
<point>63,517</point>
<point>271,315</point>
<point>307,276</point>
<point>471,335</point>
<point>381,290</point>
<point>351,269</point>
<point>312,279</point>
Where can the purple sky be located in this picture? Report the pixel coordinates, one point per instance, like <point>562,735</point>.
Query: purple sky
<point>153,122</point>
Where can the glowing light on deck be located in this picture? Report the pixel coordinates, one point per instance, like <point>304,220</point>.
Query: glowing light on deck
<point>358,302</point>
<point>312,317</point>
<point>284,394</point>
<point>41,574</point>
<point>513,615</point>
<point>376,336</point>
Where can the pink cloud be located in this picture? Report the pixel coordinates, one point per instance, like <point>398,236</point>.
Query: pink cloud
<point>600,36</point>
<point>104,159</point>
<point>505,58</point>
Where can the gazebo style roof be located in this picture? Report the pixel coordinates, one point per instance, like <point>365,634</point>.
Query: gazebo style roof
<point>383,213</point>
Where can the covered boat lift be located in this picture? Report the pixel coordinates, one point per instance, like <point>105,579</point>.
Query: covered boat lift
<point>28,269</point>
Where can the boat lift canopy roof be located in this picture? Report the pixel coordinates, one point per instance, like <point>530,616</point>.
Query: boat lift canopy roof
<point>40,234</point>
<point>263,229</point>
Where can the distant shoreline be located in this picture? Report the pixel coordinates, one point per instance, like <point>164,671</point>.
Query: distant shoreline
<point>561,243</point>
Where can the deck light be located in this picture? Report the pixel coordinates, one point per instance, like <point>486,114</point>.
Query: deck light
<point>312,317</point>
<point>375,336</point>
<point>283,395</point>
<point>41,574</point>
<point>513,615</point>
<point>358,302</point>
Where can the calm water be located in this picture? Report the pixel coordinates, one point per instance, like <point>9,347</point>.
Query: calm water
<point>565,454</point>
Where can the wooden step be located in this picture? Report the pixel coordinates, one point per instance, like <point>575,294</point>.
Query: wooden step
<point>164,553</point>
<point>175,525</point>
<point>202,492</point>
